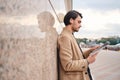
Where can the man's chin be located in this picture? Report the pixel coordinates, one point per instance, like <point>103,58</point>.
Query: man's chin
<point>76,30</point>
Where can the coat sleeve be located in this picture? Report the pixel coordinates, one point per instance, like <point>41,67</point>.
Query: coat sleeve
<point>86,53</point>
<point>66,56</point>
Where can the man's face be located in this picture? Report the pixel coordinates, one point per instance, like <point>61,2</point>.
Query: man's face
<point>76,24</point>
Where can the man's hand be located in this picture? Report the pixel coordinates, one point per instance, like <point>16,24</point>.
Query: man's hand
<point>93,48</point>
<point>91,58</point>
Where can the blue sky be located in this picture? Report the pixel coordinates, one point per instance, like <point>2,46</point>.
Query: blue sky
<point>101,18</point>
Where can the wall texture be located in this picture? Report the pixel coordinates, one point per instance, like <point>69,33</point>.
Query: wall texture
<point>27,40</point>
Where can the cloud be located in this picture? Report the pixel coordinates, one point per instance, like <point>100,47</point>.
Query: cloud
<point>97,4</point>
<point>98,24</point>
<point>113,28</point>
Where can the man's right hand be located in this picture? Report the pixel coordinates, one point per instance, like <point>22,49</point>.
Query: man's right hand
<point>91,58</point>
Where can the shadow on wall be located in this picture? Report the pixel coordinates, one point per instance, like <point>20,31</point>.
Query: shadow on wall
<point>46,22</point>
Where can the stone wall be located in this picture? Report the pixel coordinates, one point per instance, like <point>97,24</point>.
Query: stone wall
<point>27,40</point>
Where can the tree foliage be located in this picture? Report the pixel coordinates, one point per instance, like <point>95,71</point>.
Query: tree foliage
<point>112,40</point>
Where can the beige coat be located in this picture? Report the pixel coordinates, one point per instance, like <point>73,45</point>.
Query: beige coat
<point>72,65</point>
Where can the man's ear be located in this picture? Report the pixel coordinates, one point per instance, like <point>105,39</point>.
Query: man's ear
<point>71,20</point>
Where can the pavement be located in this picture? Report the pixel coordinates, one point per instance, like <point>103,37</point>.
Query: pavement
<point>106,66</point>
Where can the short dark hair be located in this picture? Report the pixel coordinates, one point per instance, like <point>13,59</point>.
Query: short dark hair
<point>71,14</point>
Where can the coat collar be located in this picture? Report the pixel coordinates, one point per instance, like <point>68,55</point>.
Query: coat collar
<point>67,31</point>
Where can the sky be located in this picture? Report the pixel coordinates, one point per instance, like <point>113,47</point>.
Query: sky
<point>101,18</point>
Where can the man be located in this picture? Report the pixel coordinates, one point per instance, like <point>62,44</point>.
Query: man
<point>73,64</point>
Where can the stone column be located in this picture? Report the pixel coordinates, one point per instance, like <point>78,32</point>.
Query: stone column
<point>27,41</point>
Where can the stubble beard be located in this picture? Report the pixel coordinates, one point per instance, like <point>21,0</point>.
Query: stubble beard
<point>75,30</point>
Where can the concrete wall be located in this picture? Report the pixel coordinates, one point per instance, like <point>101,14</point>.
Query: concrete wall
<point>28,40</point>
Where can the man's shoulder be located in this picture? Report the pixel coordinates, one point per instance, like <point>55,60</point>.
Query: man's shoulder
<point>63,36</point>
